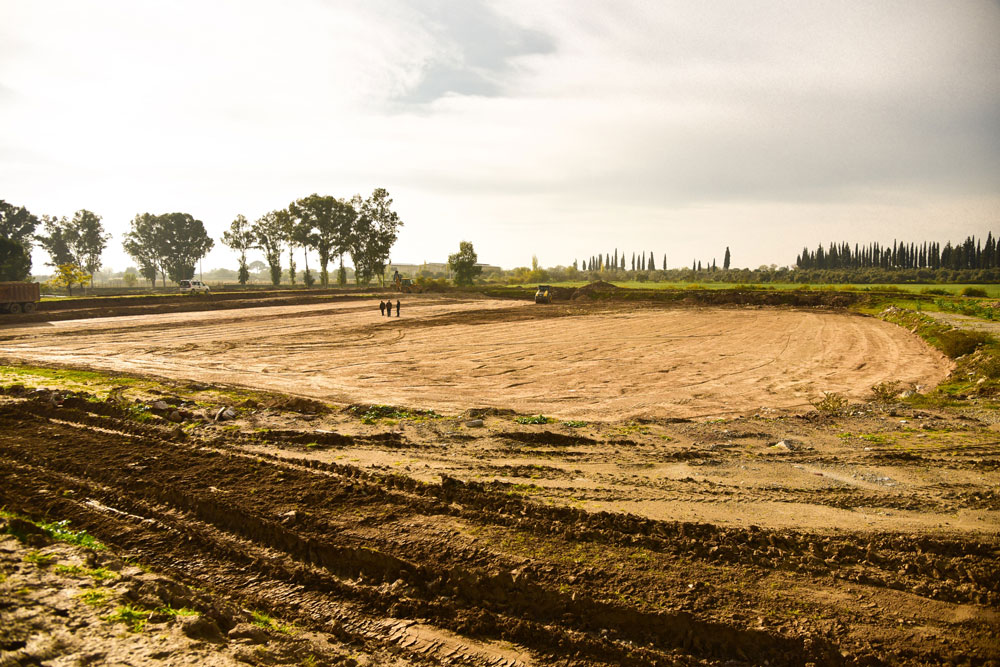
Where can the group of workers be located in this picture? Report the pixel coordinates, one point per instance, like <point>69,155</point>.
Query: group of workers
<point>385,307</point>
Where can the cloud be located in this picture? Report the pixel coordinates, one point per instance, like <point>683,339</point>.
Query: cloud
<point>497,115</point>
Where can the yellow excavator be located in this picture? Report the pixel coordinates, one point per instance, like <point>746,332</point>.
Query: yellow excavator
<point>544,294</point>
<point>404,285</point>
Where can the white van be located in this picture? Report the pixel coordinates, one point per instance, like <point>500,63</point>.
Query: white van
<point>194,287</point>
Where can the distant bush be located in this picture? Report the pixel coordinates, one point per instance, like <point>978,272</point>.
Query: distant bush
<point>978,292</point>
<point>956,343</point>
<point>935,290</point>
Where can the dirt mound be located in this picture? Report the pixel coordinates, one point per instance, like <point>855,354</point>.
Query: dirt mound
<point>479,413</point>
<point>587,290</point>
<point>298,404</point>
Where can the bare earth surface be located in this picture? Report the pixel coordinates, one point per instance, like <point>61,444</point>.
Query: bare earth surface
<point>581,362</point>
<point>640,528</point>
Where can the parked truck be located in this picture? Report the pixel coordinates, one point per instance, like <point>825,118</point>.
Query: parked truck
<point>19,297</point>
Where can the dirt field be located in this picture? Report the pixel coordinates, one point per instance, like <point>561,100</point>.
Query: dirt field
<point>573,361</point>
<point>292,533</point>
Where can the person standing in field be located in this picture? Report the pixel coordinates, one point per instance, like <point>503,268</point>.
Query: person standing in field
<point>381,307</point>
<point>397,307</point>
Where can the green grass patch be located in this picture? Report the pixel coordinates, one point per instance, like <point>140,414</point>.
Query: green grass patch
<point>572,423</point>
<point>534,419</point>
<point>97,574</point>
<point>57,530</point>
<point>133,618</point>
<point>371,414</point>
<point>174,613</point>
<point>39,559</point>
<point>263,620</point>
<point>95,597</point>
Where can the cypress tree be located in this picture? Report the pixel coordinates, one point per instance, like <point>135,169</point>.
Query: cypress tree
<point>652,262</point>
<point>725,260</point>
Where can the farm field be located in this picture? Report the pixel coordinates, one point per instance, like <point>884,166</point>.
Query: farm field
<point>578,361</point>
<point>484,482</point>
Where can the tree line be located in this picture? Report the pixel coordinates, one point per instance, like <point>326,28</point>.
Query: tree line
<point>169,245</point>
<point>641,262</point>
<point>970,254</point>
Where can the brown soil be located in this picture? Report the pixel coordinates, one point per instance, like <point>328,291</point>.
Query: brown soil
<point>587,361</point>
<point>524,568</point>
<point>377,536</point>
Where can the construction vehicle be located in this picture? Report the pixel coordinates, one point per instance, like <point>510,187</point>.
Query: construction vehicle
<point>17,297</point>
<point>544,294</point>
<point>404,285</point>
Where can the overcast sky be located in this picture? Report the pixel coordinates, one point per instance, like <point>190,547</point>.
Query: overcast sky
<point>559,129</point>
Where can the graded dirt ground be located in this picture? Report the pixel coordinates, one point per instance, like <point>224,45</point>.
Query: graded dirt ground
<point>582,361</point>
<point>373,535</point>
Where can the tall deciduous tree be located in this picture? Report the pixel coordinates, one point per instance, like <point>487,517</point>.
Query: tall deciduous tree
<point>287,224</point>
<point>463,264</point>
<point>169,244</point>
<point>269,232</point>
<point>90,241</point>
<point>373,235</point>
<point>331,221</point>
<point>186,243</point>
<point>240,237</point>
<point>80,240</point>
<point>17,225</point>
<point>15,261</point>
<point>142,242</point>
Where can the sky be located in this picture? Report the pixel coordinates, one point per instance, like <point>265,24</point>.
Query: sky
<point>559,129</point>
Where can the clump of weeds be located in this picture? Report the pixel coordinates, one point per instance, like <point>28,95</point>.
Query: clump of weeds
<point>534,419</point>
<point>832,403</point>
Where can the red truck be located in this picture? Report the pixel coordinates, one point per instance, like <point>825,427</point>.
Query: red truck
<point>19,297</point>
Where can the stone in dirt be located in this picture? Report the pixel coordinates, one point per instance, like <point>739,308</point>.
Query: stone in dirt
<point>252,633</point>
<point>159,405</point>
<point>199,627</point>
<point>474,423</point>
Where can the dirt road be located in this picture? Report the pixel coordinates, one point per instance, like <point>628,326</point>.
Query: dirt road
<point>573,361</point>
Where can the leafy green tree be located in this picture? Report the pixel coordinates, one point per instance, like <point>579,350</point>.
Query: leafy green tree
<point>240,237</point>
<point>373,235</point>
<point>90,241</point>
<point>80,240</point>
<point>186,242</point>
<point>169,244</point>
<point>17,224</point>
<point>15,260</point>
<point>463,264</point>
<point>269,232</point>
<point>143,242</point>
<point>304,235</point>
<point>330,221</point>
<point>56,240</point>
<point>287,224</point>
